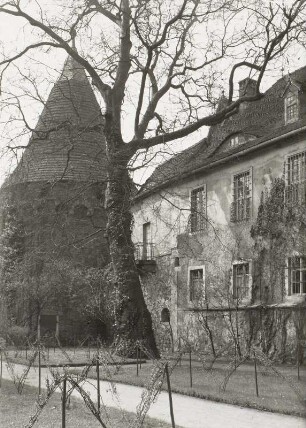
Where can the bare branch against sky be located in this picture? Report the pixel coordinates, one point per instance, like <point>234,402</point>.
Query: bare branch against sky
<point>159,68</point>
<point>178,64</point>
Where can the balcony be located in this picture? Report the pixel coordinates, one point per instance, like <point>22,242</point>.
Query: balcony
<point>145,257</point>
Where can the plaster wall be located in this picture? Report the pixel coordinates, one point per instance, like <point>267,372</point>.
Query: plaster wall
<point>168,209</point>
<point>221,243</point>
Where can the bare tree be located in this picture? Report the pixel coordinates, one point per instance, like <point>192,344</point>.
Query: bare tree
<point>147,55</point>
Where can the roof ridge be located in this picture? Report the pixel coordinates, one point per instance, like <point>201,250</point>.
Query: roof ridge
<point>263,118</point>
<point>72,69</point>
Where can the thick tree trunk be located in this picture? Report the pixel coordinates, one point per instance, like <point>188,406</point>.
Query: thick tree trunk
<point>133,320</point>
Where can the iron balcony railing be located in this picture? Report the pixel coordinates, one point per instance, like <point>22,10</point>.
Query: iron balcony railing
<point>145,251</point>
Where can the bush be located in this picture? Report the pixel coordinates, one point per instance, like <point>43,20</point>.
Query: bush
<point>17,335</point>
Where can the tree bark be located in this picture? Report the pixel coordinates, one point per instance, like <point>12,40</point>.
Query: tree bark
<point>133,320</point>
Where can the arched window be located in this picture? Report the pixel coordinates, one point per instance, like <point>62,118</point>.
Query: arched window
<point>165,315</point>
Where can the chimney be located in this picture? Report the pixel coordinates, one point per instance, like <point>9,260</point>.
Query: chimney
<point>247,87</point>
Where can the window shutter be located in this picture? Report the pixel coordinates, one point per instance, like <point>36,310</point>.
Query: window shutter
<point>204,213</point>
<point>251,277</point>
<point>233,212</point>
<point>289,276</point>
<point>232,207</point>
<point>251,193</point>
<point>193,211</point>
<point>234,282</point>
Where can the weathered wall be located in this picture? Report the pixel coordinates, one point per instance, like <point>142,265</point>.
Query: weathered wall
<point>217,247</point>
<point>62,223</point>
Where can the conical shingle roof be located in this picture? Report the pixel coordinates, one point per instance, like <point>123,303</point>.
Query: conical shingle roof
<point>68,141</point>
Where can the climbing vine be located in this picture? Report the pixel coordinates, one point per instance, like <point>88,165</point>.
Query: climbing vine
<point>278,233</point>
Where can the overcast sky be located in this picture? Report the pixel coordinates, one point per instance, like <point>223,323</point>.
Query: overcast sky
<point>14,34</point>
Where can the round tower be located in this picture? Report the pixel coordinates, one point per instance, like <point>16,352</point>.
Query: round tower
<point>53,205</point>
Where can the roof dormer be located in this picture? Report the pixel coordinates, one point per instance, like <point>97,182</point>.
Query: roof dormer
<point>236,139</point>
<point>291,101</point>
<point>247,87</point>
<point>291,106</point>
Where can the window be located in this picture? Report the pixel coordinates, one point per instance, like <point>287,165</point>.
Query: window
<point>297,275</point>
<point>291,107</point>
<point>165,315</point>
<point>241,280</point>
<point>295,174</point>
<point>242,197</point>
<point>236,140</point>
<point>196,284</point>
<point>146,238</point>
<point>198,209</point>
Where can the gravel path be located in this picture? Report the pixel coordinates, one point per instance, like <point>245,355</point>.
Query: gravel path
<point>189,412</point>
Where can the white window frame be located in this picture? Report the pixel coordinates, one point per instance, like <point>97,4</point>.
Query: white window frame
<point>247,298</point>
<point>147,241</point>
<point>204,214</point>
<point>234,200</point>
<point>289,96</point>
<point>295,178</point>
<point>235,140</point>
<point>191,268</point>
<point>288,277</point>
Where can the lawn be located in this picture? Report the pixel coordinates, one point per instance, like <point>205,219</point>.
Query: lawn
<point>63,356</point>
<point>275,394</point>
<point>15,411</point>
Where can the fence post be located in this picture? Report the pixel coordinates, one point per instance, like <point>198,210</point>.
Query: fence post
<point>255,372</point>
<point>98,382</point>
<point>0,368</point>
<point>39,371</point>
<point>64,404</point>
<point>190,367</point>
<point>170,395</point>
<point>137,362</point>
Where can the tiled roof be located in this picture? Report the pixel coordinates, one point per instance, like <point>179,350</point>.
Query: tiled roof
<point>68,141</point>
<point>263,119</point>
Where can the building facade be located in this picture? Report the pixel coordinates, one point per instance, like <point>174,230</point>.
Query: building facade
<point>220,230</point>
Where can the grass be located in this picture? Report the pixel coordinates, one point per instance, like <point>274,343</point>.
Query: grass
<point>275,394</point>
<point>56,356</point>
<point>15,412</point>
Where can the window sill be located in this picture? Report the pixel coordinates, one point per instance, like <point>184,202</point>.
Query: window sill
<point>288,121</point>
<point>195,232</point>
<point>297,298</point>
<point>240,222</point>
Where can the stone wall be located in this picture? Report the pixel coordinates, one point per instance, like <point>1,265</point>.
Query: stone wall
<point>63,229</point>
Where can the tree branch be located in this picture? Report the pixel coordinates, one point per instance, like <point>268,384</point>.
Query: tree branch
<point>124,61</point>
<point>209,120</point>
<point>114,18</point>
<point>103,88</point>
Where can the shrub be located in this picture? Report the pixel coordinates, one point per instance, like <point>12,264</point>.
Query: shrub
<point>17,335</point>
